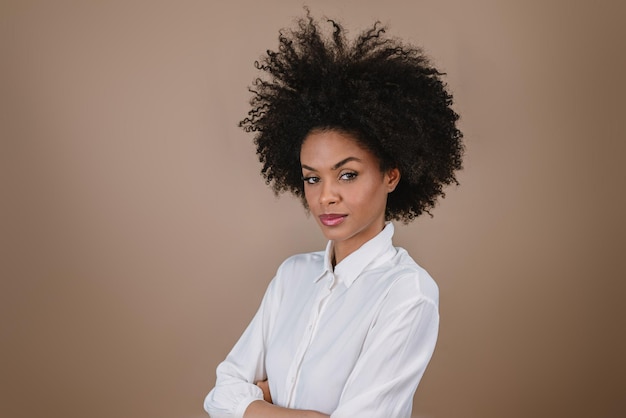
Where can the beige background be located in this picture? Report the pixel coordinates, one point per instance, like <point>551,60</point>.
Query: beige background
<point>137,237</point>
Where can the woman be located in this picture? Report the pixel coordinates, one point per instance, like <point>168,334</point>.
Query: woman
<point>364,133</point>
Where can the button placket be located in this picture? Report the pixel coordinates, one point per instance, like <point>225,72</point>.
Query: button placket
<point>318,308</point>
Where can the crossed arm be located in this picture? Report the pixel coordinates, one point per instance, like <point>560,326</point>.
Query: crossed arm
<point>264,408</point>
<point>381,383</point>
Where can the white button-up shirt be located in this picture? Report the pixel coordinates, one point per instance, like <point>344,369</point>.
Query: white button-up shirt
<point>350,341</point>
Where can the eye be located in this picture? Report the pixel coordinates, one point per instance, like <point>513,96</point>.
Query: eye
<point>348,175</point>
<point>310,179</point>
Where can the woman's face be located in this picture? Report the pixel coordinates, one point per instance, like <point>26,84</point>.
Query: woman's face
<point>345,189</point>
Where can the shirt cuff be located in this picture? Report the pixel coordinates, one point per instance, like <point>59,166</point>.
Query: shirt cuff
<point>243,405</point>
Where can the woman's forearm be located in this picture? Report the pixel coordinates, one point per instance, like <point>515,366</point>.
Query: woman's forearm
<point>262,409</point>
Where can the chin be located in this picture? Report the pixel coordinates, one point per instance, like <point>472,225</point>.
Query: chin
<point>333,234</point>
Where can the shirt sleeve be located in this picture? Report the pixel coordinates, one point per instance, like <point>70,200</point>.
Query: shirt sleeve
<point>395,354</point>
<point>235,386</point>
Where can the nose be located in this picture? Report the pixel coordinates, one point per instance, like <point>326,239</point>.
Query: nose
<point>328,194</point>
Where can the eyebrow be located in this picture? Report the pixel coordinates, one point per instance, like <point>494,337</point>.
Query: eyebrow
<point>336,166</point>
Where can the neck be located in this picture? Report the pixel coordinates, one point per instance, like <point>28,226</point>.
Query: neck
<point>340,252</point>
<point>343,249</point>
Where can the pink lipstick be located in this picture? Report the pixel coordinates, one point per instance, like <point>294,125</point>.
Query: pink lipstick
<point>332,219</point>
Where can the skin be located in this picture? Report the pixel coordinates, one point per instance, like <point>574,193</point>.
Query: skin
<point>344,179</point>
<point>341,177</point>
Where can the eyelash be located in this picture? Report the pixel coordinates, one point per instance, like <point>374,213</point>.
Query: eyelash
<point>347,176</point>
<point>310,179</point>
<point>352,175</point>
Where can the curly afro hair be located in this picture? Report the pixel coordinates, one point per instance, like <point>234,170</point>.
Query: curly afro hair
<point>384,93</point>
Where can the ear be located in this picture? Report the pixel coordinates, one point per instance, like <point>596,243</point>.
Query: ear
<point>392,178</point>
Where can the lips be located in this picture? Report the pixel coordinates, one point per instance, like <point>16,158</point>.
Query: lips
<point>332,219</point>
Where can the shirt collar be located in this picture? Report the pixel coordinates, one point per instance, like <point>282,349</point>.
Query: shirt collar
<point>374,252</point>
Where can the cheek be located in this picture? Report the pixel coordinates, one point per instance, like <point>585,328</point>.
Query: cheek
<point>308,196</point>
<point>371,197</point>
